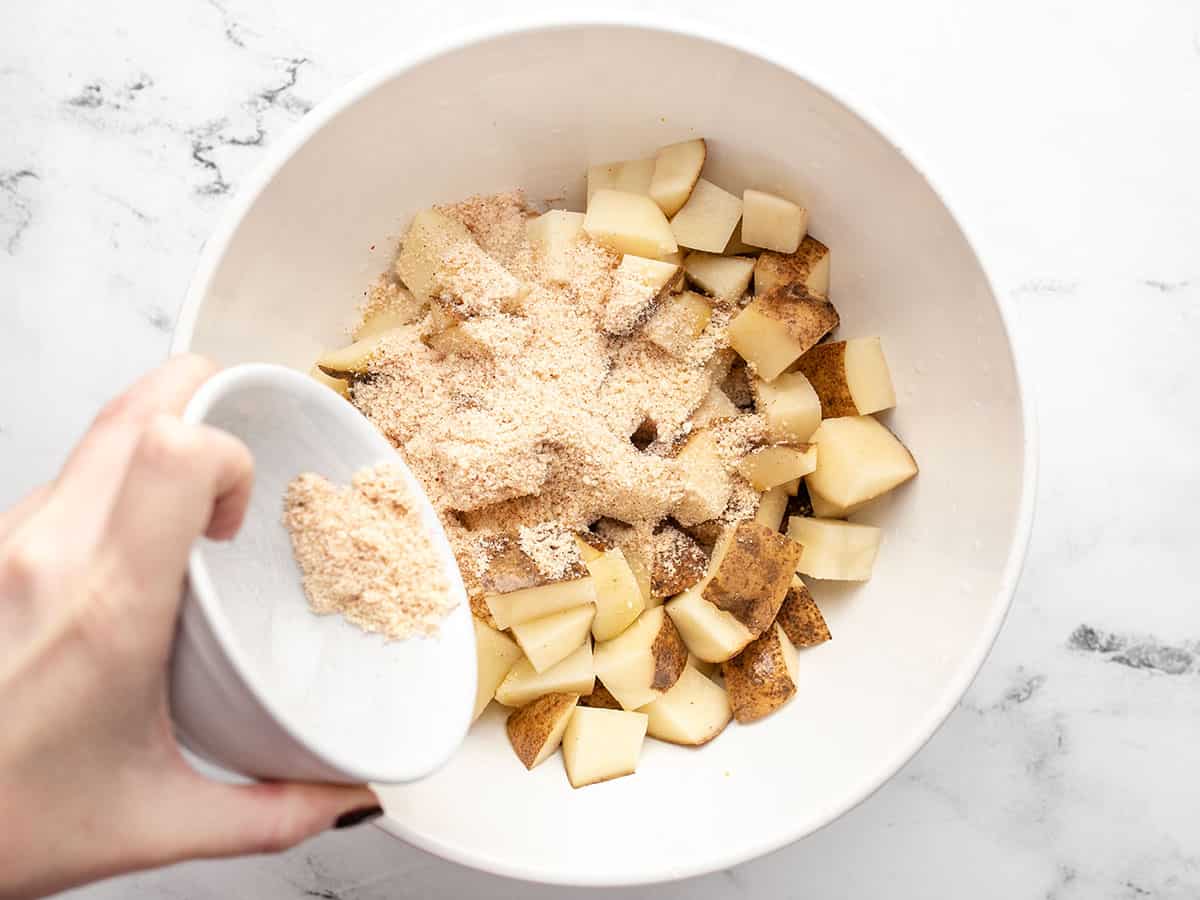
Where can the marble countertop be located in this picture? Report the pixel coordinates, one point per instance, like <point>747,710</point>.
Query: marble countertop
<point>1069,134</point>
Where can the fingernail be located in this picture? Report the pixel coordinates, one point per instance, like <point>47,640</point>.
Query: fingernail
<point>358,816</point>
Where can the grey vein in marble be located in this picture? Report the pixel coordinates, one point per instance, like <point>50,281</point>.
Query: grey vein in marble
<point>1136,653</point>
<point>16,208</point>
<point>1045,286</point>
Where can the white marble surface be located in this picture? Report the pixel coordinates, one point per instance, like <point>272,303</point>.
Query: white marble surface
<point>1070,135</point>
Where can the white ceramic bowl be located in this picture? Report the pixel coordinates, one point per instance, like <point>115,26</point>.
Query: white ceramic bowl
<point>533,107</point>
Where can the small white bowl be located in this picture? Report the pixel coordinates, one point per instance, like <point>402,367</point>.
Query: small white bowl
<point>262,686</point>
<point>534,107</point>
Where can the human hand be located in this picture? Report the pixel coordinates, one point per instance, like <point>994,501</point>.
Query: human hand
<point>92,781</point>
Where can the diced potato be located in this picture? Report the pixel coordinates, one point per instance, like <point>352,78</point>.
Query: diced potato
<point>770,222</point>
<point>618,534</point>
<point>679,321</point>
<point>809,266</point>
<point>403,309</point>
<point>554,234</point>
<point>738,247</point>
<point>357,358</point>
<point>724,278</point>
<point>789,404</point>
<point>550,639</point>
<point>858,459</point>
<point>600,698</point>
<point>800,618</point>
<point>678,562</point>
<point>618,596</point>
<point>459,340</point>
<point>523,683</point>
<point>707,669</point>
<point>639,285</point>
<point>642,663</point>
<point>824,508</point>
<point>768,467</point>
<point>591,546</point>
<point>749,575</point>
<point>851,377</point>
<point>532,603</point>
<point>693,712</point>
<point>337,385</point>
<point>771,507</point>
<point>762,677</point>
<point>641,571</point>
<point>711,634</point>
<point>629,223</point>
<point>631,176</point>
<point>835,550</point>
<point>779,327</point>
<point>536,729</point>
<point>707,220</point>
<point>715,407</point>
<point>676,170</point>
<point>430,236</point>
<point>495,655</point>
<point>601,744</point>
<point>706,485</point>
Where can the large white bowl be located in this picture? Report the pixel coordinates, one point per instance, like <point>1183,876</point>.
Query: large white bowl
<point>533,107</point>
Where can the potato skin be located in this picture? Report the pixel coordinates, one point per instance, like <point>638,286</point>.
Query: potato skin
<point>757,679</point>
<point>670,656</point>
<point>825,368</point>
<point>679,562</point>
<point>801,619</point>
<point>781,268</point>
<point>807,317</point>
<point>529,726</point>
<point>600,698</point>
<point>753,577</point>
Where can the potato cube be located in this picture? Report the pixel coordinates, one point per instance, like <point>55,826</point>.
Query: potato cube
<point>707,669</point>
<point>681,318</point>
<point>738,247</point>
<point>629,223</point>
<point>337,385</point>
<point>402,309</point>
<point>823,508</point>
<point>771,507</point>
<point>678,562</point>
<point>523,683</point>
<point>749,575</point>
<point>789,404</point>
<point>536,729</point>
<point>551,639</point>
<point>761,678</point>
<point>770,222</point>
<point>553,234</point>
<point>618,596</point>
<point>724,278</point>
<point>779,327</point>
<point>707,220</point>
<point>835,550</point>
<point>356,359</point>
<point>715,407</point>
<point>800,618</point>
<point>858,459</point>
<point>767,467</point>
<point>809,266</point>
<point>711,634</point>
<point>631,176</point>
<point>851,377</point>
<point>430,237</point>
<point>693,712</point>
<point>676,171</point>
<point>495,655</point>
<point>600,698</point>
<point>531,603</point>
<point>601,744</point>
<point>706,485</point>
<point>639,285</point>
<point>644,661</point>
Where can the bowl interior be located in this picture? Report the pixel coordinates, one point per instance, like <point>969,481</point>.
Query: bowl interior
<point>533,109</point>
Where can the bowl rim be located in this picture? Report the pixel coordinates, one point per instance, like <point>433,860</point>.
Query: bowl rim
<point>733,38</point>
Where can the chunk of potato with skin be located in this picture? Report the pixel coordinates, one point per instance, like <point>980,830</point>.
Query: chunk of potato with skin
<point>602,744</point>
<point>535,602</point>
<point>772,506</point>
<point>553,638</point>
<point>850,377</point>
<point>711,634</point>
<point>495,655</point>
<point>404,309</point>
<point>790,406</point>
<point>639,285</point>
<point>835,550</point>
<point>356,359</point>
<point>629,223</point>
<point>724,278</point>
<point>600,698</point>
<point>771,222</point>
<point>618,596</point>
<point>337,385</point>
<point>809,266</point>
<point>554,233</point>
<point>800,618</point>
<point>858,460</point>
<point>691,713</point>
<point>750,575</point>
<point>644,661</point>
<point>430,236</point>
<point>777,328</point>
<point>706,485</point>
<point>761,678</point>
<point>536,729</point>
<point>678,562</point>
<point>707,220</point>
<point>679,321</point>
<point>676,171</point>
<point>523,684</point>
<point>631,176</point>
<point>768,467</point>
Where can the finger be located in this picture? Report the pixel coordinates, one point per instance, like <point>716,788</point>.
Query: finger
<point>86,487</point>
<point>183,481</point>
<point>13,518</point>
